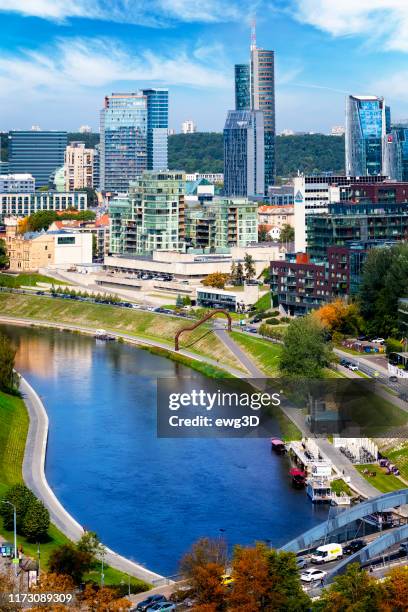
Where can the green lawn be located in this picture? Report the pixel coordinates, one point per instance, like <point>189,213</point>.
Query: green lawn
<point>13,432</point>
<point>143,324</point>
<point>383,482</point>
<point>263,352</point>
<point>339,486</point>
<point>264,302</point>
<point>27,280</point>
<point>399,456</point>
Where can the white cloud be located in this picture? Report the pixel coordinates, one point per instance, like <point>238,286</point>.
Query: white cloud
<point>143,12</point>
<point>385,21</point>
<point>80,64</point>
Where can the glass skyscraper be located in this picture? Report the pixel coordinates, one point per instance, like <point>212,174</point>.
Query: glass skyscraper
<point>242,87</point>
<point>395,153</point>
<point>38,153</point>
<point>244,153</point>
<point>157,128</point>
<point>366,126</point>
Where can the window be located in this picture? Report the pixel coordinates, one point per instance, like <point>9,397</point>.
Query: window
<point>66,239</point>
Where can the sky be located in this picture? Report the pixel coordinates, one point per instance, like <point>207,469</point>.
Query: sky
<point>59,58</point>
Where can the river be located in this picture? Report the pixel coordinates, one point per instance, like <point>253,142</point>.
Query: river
<point>148,498</point>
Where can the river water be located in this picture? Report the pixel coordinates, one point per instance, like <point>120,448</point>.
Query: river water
<point>148,498</point>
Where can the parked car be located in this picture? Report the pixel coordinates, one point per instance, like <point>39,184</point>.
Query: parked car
<point>362,338</point>
<point>151,600</point>
<point>352,366</point>
<point>162,606</point>
<point>354,547</point>
<point>344,363</point>
<point>393,379</point>
<point>301,562</point>
<point>404,547</point>
<point>251,330</point>
<point>256,319</point>
<point>378,340</point>
<point>313,575</point>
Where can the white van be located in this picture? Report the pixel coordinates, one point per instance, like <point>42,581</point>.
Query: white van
<point>326,553</point>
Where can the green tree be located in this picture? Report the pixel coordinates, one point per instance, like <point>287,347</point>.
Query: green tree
<point>249,266</point>
<point>67,559</point>
<point>239,274</point>
<point>94,246</point>
<point>179,301</point>
<point>36,522</point>
<point>353,591</point>
<point>287,233</point>
<point>263,234</point>
<point>233,273</point>
<point>4,260</point>
<point>22,498</point>
<point>284,583</point>
<point>91,544</point>
<point>8,378</point>
<point>306,351</point>
<point>91,195</point>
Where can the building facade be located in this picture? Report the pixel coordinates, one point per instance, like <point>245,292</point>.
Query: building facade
<point>38,153</point>
<point>367,122</point>
<point>188,127</point>
<point>123,143</point>
<point>157,128</point>
<point>395,153</point>
<point>24,204</point>
<point>244,154</point>
<point>78,165</point>
<point>17,183</point>
<point>242,87</point>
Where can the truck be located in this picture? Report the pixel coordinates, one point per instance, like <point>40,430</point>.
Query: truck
<point>326,553</point>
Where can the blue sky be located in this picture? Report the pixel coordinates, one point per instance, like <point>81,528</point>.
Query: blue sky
<point>58,58</point>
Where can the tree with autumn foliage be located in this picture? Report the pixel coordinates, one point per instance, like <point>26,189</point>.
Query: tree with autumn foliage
<point>216,279</point>
<point>250,572</point>
<point>338,316</point>
<point>354,591</point>
<point>203,567</point>
<point>103,599</point>
<point>395,591</point>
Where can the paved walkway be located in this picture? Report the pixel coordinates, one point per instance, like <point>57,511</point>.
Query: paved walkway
<point>34,477</point>
<point>225,337</point>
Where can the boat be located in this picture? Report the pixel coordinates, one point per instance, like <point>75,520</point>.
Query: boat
<point>101,334</point>
<point>298,478</point>
<point>278,446</point>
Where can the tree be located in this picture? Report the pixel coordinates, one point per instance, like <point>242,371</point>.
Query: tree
<point>103,599</point>
<point>4,260</point>
<point>395,591</point>
<point>203,567</point>
<point>287,233</point>
<point>249,266</point>
<point>67,559</point>
<point>90,543</point>
<point>240,274</point>
<point>9,380</point>
<point>284,583</point>
<point>355,590</point>
<point>94,246</point>
<point>91,195</point>
<point>36,522</point>
<point>305,350</point>
<point>338,316</point>
<point>233,273</point>
<point>22,498</point>
<point>7,586</point>
<point>263,234</point>
<point>250,572</point>
<point>216,279</point>
<point>179,301</point>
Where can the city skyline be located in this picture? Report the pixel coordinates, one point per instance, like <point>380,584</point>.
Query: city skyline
<point>65,59</point>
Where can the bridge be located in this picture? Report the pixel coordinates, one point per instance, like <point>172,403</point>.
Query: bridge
<point>323,532</point>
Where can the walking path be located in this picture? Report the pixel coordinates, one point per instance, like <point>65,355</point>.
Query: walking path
<point>34,477</point>
<point>225,337</point>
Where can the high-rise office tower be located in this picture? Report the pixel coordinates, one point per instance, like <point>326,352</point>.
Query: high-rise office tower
<point>244,153</point>
<point>367,119</point>
<point>123,140</point>
<point>38,153</point>
<point>242,87</point>
<point>395,153</point>
<point>157,128</point>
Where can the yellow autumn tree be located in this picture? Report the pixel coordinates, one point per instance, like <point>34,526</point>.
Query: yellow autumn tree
<point>338,316</point>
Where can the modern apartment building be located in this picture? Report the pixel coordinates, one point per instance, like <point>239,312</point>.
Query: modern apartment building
<point>242,87</point>
<point>151,218</point>
<point>244,154</point>
<point>96,177</point>
<point>188,127</point>
<point>367,123</point>
<point>17,183</point>
<point>395,153</point>
<point>157,128</point>
<point>282,195</point>
<point>78,165</point>
<point>124,125</point>
<point>24,204</point>
<point>38,153</point>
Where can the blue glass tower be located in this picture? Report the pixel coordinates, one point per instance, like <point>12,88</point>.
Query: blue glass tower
<point>366,126</point>
<point>242,87</point>
<point>123,140</point>
<point>38,153</point>
<point>157,128</point>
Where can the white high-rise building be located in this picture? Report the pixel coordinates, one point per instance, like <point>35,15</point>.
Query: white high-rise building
<point>85,129</point>
<point>78,165</point>
<point>188,127</point>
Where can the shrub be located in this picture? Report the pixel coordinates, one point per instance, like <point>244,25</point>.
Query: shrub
<point>272,321</point>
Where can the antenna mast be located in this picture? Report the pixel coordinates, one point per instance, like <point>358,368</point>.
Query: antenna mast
<point>253,34</point>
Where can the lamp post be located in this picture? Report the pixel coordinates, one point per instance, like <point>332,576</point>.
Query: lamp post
<point>15,562</point>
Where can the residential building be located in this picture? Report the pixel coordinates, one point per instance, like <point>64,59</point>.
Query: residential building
<point>151,217</point>
<point>123,143</point>
<point>274,218</point>
<point>388,191</point>
<point>98,228</point>
<point>36,152</point>
<point>57,181</point>
<point>263,99</point>
<point>338,130</point>
<point>96,177</point>
<point>282,195</point>
<point>24,204</point>
<point>78,164</point>
<point>244,153</point>
<point>395,153</point>
<point>188,127</point>
<point>313,194</point>
<point>157,128</point>
<point>17,183</point>
<point>34,250</point>
<point>242,87</point>
<point>211,177</point>
<point>367,122</point>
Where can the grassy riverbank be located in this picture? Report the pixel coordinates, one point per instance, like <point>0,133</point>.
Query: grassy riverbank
<point>145,325</point>
<point>14,423</point>
<point>263,352</point>
<point>381,481</point>
<point>27,280</point>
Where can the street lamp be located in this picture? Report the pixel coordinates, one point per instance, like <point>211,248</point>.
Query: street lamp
<point>15,560</point>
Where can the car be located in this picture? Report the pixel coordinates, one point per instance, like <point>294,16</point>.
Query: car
<point>301,562</point>
<point>404,548</point>
<point>162,606</point>
<point>256,319</point>
<point>393,379</point>
<point>151,600</point>
<point>227,579</point>
<point>378,340</point>
<point>354,547</point>
<point>313,575</point>
<point>352,366</point>
<point>344,363</point>
<point>362,338</point>
<point>252,330</point>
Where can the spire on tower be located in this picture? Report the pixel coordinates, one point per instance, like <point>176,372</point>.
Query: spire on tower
<point>253,34</point>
